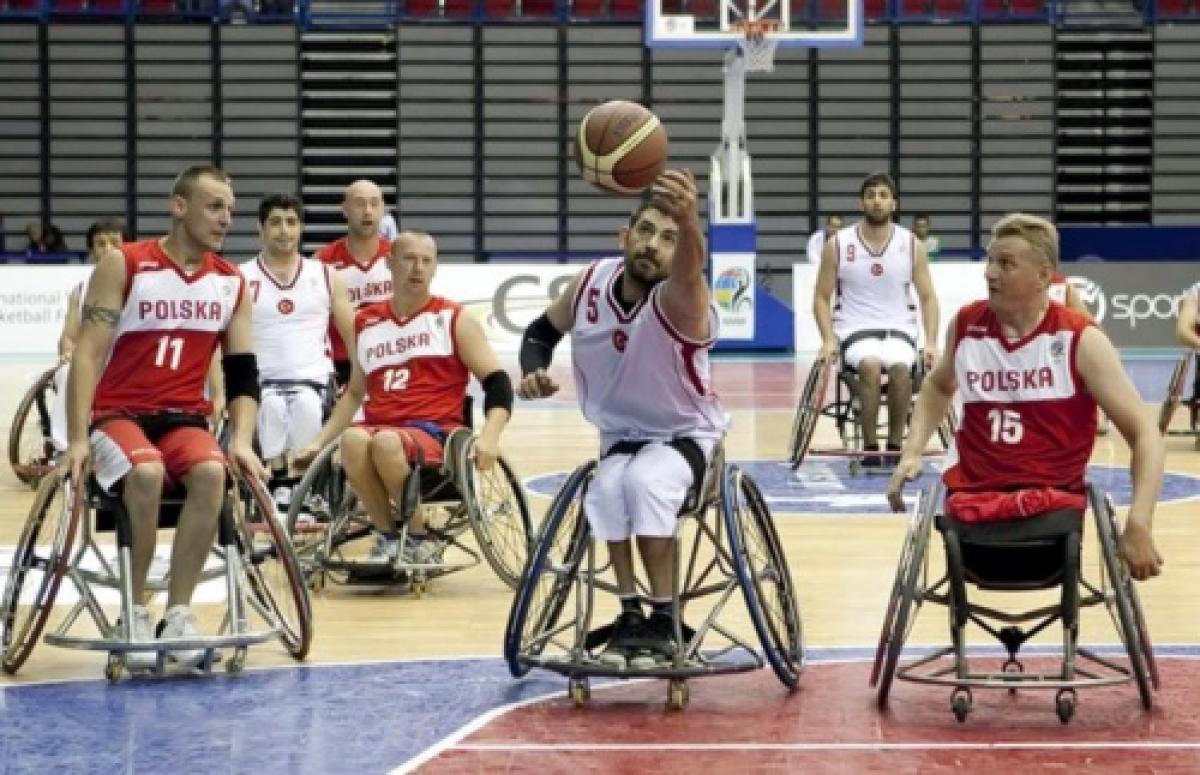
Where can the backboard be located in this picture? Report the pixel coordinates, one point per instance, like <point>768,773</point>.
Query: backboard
<point>722,23</point>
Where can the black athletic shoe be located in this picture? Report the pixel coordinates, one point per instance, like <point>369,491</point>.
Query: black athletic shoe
<point>657,644</point>
<point>892,459</point>
<point>870,459</point>
<point>626,632</point>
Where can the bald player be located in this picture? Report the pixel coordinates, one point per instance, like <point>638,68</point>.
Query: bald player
<point>360,259</point>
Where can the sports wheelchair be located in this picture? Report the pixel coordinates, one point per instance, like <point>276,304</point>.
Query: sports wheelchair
<point>31,449</point>
<point>458,498</point>
<point>252,559</point>
<point>1175,398</point>
<point>725,540</point>
<point>986,556</point>
<point>845,411</point>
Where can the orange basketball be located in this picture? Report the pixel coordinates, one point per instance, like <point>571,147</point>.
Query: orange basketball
<point>621,147</point>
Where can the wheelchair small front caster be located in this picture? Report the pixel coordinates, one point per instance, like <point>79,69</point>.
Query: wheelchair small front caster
<point>579,690</point>
<point>960,703</point>
<point>677,694</point>
<point>1064,705</point>
<point>115,667</point>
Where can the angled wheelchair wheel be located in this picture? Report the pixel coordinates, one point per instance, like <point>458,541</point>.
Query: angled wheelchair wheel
<point>271,568</point>
<point>323,486</point>
<point>499,514</point>
<point>763,575</point>
<point>30,452</point>
<point>905,596</point>
<point>1122,602</point>
<point>549,575</point>
<point>809,410</point>
<point>1174,394</point>
<point>38,566</point>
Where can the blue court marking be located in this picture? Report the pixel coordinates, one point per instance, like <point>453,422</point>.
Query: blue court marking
<point>360,719</point>
<point>826,486</point>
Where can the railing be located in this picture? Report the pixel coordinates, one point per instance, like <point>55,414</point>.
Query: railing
<point>384,14</point>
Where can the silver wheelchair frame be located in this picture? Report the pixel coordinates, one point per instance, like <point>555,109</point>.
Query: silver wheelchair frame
<point>550,623</point>
<point>1080,668</point>
<point>254,558</point>
<point>844,410</point>
<point>491,505</point>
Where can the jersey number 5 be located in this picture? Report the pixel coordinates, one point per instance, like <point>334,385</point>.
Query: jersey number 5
<point>593,311</point>
<point>395,379</point>
<point>1006,426</point>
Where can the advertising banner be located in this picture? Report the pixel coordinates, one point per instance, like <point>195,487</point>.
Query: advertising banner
<point>504,297</point>
<point>733,289</point>
<point>1135,304</point>
<point>33,304</point>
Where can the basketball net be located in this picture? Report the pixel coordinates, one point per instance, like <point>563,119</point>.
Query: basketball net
<point>756,44</point>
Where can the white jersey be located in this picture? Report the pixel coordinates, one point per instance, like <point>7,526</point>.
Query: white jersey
<point>874,289</point>
<point>636,376</point>
<point>290,321</point>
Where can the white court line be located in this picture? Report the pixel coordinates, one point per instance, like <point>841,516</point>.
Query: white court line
<point>452,740</point>
<point>719,747</point>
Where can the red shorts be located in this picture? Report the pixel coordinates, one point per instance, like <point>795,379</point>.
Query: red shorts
<point>119,444</point>
<point>413,439</point>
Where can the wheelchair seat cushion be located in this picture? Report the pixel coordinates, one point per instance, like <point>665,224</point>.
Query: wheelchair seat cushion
<point>1023,554</point>
<point>1022,504</point>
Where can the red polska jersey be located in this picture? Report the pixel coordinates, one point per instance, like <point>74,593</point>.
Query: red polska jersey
<point>412,365</point>
<point>169,327</point>
<point>1028,419</point>
<point>365,283</point>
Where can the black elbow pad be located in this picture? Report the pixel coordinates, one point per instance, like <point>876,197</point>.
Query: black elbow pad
<point>537,344</point>
<point>241,377</point>
<point>497,392</point>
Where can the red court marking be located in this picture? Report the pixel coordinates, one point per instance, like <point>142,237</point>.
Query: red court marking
<point>748,723</point>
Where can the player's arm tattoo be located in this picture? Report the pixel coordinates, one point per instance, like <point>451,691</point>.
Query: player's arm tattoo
<point>106,316</point>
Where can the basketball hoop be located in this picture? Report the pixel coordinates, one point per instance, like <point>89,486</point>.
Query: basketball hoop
<point>757,43</point>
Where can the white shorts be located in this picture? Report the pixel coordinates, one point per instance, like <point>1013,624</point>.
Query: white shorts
<point>890,352</point>
<point>641,494</point>
<point>58,408</point>
<point>289,418</point>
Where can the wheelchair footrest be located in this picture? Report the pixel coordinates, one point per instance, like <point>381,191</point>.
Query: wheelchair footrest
<point>201,643</point>
<point>369,573</point>
<point>691,669</point>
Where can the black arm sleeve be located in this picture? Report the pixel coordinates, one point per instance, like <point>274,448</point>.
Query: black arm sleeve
<point>497,392</point>
<point>537,345</point>
<point>241,376</point>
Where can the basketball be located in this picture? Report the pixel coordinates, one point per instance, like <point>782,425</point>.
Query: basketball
<point>621,147</point>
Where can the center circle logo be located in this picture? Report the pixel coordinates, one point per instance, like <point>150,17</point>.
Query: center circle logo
<point>286,306</point>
